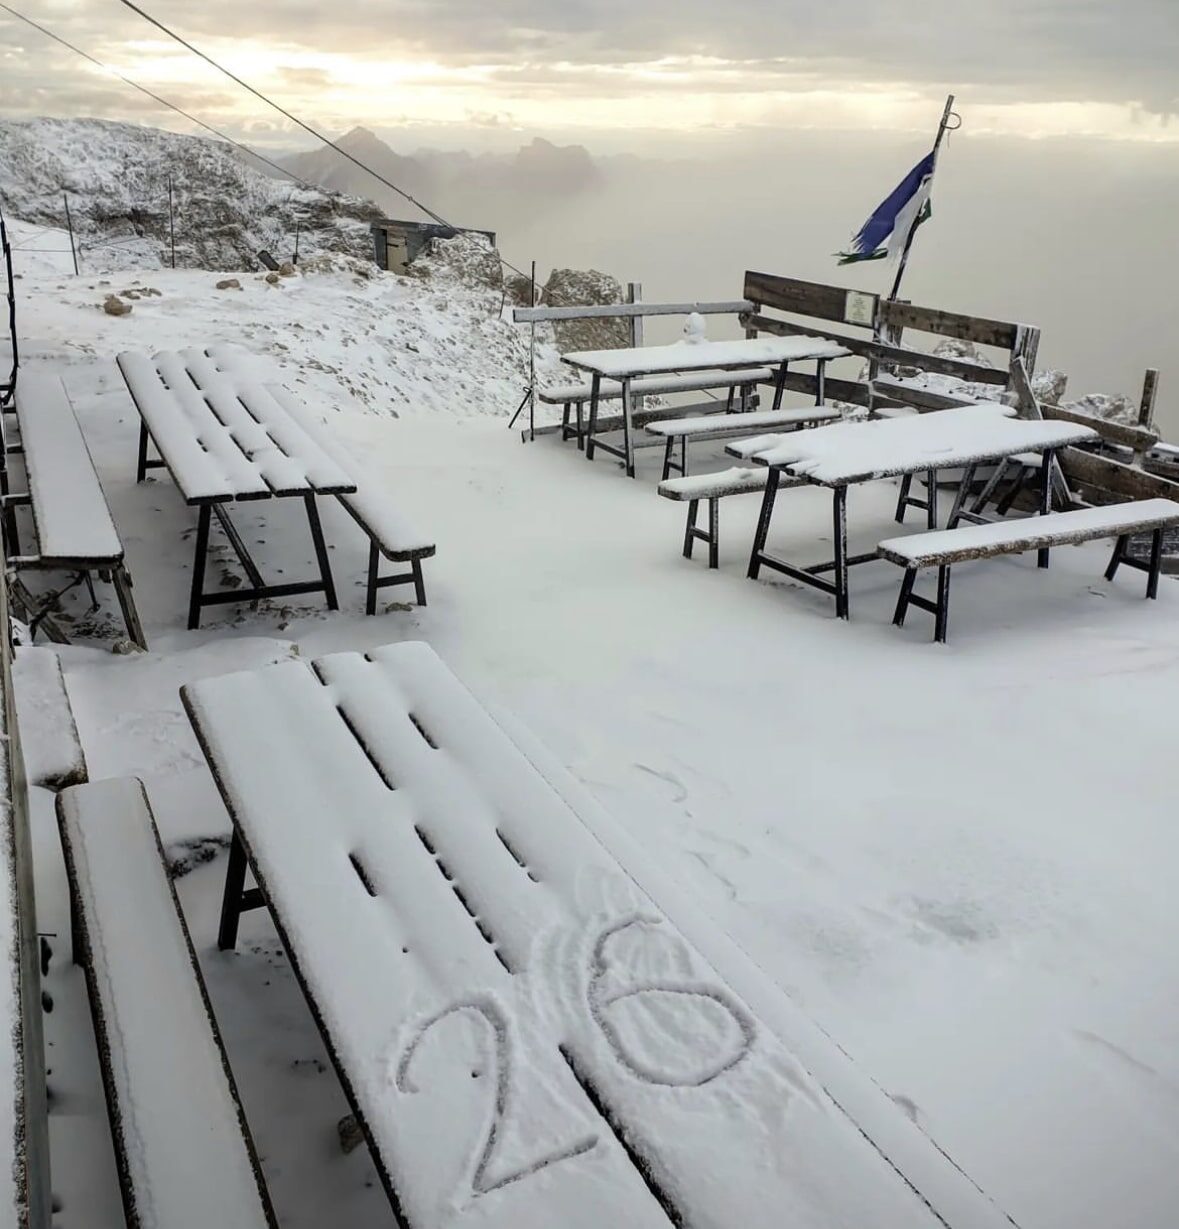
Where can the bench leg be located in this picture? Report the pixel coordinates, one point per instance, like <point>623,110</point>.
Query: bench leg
<point>1156,563</point>
<point>1119,553</point>
<point>565,422</point>
<point>141,464</point>
<point>903,597</point>
<point>931,495</point>
<point>376,581</point>
<point>690,531</point>
<point>321,554</point>
<point>122,583</point>
<point>198,567</point>
<point>779,386</point>
<point>714,533</point>
<point>667,458</point>
<point>374,563</point>
<point>942,618</point>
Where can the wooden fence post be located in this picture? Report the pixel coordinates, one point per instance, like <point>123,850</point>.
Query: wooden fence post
<point>1150,388</point>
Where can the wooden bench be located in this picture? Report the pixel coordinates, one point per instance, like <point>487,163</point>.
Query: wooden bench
<point>713,488</point>
<point>182,1146</point>
<point>525,1036</point>
<point>575,397</point>
<point>390,532</point>
<point>51,747</point>
<point>943,548</point>
<point>25,1190</point>
<point>72,524</point>
<point>731,426</point>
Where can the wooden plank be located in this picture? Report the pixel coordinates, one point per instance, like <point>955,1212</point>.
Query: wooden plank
<point>1125,480</point>
<point>978,329</point>
<point>1150,388</point>
<point>611,311</point>
<point>948,546</point>
<point>889,393</point>
<point>1137,438</point>
<point>789,294</point>
<point>961,369</point>
<point>1029,407</point>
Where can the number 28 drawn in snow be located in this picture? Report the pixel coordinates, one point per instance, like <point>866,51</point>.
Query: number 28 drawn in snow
<point>618,1012</point>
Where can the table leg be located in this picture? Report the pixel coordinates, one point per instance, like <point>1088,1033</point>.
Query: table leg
<point>839,511</point>
<point>960,499</point>
<point>141,464</point>
<point>231,900</point>
<point>325,567</point>
<point>821,380</point>
<point>627,439</point>
<point>595,390</point>
<point>1045,497</point>
<point>763,524</point>
<point>198,566</point>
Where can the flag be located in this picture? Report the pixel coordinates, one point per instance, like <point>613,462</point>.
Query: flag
<point>884,233</point>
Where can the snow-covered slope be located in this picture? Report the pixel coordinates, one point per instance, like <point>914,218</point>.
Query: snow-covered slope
<point>347,331</point>
<point>116,178</point>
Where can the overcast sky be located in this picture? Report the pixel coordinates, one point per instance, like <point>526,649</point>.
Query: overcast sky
<point>621,72</point>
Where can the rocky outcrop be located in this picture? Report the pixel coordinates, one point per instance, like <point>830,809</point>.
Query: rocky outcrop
<point>116,176</point>
<point>580,287</point>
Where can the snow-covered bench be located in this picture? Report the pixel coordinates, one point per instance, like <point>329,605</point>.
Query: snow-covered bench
<point>731,426</point>
<point>25,1195</point>
<point>576,396</point>
<point>71,521</point>
<point>390,532</point>
<point>712,487</point>
<point>184,1153</point>
<point>945,547</point>
<point>50,745</point>
<point>526,1037</point>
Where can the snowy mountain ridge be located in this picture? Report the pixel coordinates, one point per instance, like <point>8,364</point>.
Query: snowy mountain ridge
<point>116,178</point>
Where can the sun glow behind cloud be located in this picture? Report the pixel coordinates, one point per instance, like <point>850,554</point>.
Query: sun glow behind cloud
<point>672,94</point>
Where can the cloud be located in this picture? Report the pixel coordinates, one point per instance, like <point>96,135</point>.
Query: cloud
<point>1001,52</point>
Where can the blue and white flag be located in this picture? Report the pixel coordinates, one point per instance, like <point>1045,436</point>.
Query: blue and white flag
<point>884,233</point>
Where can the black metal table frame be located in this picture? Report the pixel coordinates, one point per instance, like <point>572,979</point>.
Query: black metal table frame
<point>837,588</point>
<point>627,452</point>
<point>208,508</point>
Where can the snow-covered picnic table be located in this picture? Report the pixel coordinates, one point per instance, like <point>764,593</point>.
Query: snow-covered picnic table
<point>848,453</point>
<point>630,363</point>
<point>527,1040</point>
<point>227,438</point>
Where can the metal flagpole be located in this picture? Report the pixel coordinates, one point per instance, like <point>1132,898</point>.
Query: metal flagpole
<point>945,126</point>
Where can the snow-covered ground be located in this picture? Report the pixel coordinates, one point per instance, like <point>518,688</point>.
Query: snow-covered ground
<point>957,860</point>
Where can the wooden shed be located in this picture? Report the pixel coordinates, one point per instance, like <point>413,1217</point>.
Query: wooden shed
<point>396,244</point>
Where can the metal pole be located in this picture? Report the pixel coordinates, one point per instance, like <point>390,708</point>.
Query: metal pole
<point>943,128</point>
<point>295,258</point>
<point>634,294</point>
<point>171,223</point>
<point>70,228</point>
<point>532,359</point>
